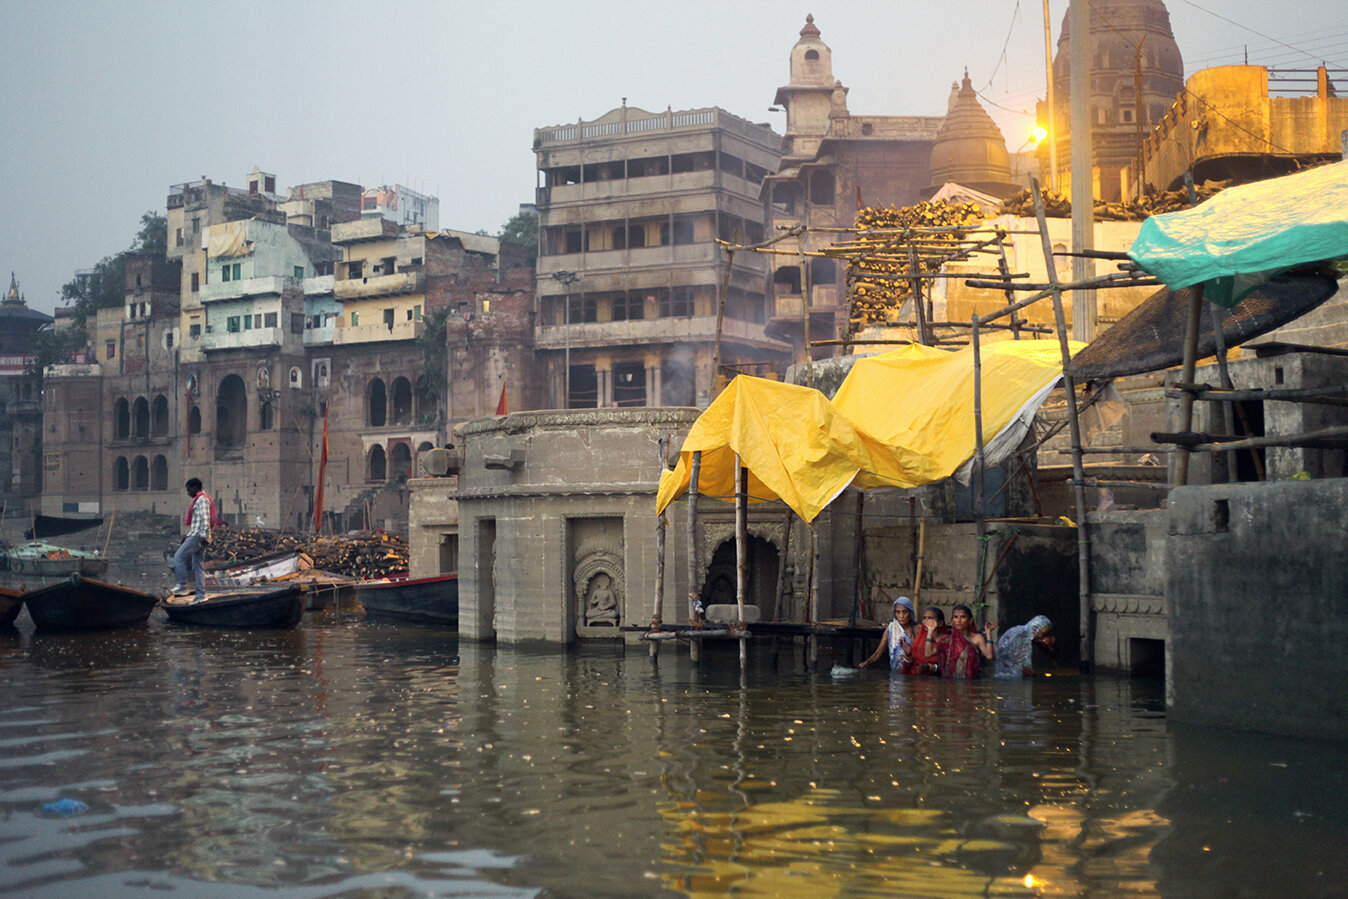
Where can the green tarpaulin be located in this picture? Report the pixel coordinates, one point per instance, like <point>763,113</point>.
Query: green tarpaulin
<point>1247,234</point>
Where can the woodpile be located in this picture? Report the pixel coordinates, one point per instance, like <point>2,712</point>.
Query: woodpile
<point>363,555</point>
<point>882,268</point>
<point>1060,206</point>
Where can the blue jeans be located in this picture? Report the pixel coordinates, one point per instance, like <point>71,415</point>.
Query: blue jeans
<point>189,555</point>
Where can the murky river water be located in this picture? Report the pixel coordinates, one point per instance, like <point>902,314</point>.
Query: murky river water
<point>353,759</point>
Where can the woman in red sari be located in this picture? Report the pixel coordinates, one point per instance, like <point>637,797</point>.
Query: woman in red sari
<point>965,650</point>
<point>929,644</point>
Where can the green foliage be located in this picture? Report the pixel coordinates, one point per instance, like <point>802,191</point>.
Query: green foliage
<point>106,289</point>
<point>54,347</point>
<point>522,229</point>
<point>434,354</point>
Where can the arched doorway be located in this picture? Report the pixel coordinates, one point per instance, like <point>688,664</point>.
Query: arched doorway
<point>140,416</point>
<point>761,590</point>
<point>377,466</point>
<point>376,404</point>
<point>121,415</point>
<point>402,401</point>
<point>231,413</point>
<point>400,461</point>
<point>159,425</point>
<point>159,473</point>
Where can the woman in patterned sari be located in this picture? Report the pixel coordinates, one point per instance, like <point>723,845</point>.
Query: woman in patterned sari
<point>929,643</point>
<point>966,648</point>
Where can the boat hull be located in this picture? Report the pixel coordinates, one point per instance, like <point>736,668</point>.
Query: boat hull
<point>432,600</point>
<point>81,604</point>
<point>11,604</point>
<point>270,610</point>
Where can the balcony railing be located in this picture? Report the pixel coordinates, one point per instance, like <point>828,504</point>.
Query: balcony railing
<point>403,330</point>
<point>249,287</point>
<point>220,339</point>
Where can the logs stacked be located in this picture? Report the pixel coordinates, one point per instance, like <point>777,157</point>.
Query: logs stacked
<point>1060,206</point>
<point>364,554</point>
<point>882,267</point>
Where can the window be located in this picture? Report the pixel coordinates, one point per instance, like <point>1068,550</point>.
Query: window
<point>355,318</point>
<point>196,281</point>
<point>168,340</point>
<point>196,225</point>
<point>297,323</point>
<point>110,351</point>
<point>248,323</point>
<point>299,271</point>
<point>678,303</point>
<point>388,319</point>
<point>269,320</point>
<point>238,271</point>
<point>232,324</point>
<point>628,306</point>
<point>224,273</point>
<point>296,379</point>
<point>355,269</point>
<point>178,238</point>
<point>194,331</point>
<point>416,311</point>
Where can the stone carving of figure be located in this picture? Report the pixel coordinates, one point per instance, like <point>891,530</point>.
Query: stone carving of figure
<point>602,607</point>
<point>264,378</point>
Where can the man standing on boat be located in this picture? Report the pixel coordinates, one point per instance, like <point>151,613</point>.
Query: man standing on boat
<point>198,518</point>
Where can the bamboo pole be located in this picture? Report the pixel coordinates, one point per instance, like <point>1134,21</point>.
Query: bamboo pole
<point>805,310</point>
<point>1187,376</point>
<point>720,320</point>
<point>812,599</point>
<point>1074,428</point>
<point>915,288</point>
<point>782,562</point>
<point>659,602</point>
<point>980,461</point>
<point>741,553</point>
<point>921,559</point>
<point>859,582</point>
<point>694,472</point>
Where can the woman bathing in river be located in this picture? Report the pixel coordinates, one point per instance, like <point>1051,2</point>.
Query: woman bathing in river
<point>897,637</point>
<point>967,648</point>
<point>929,643</point>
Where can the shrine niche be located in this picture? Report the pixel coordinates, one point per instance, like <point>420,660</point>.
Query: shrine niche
<point>598,584</point>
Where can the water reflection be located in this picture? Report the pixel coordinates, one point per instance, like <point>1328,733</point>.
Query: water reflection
<point>347,759</point>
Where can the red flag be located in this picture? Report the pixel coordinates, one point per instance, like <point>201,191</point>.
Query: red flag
<point>501,406</point>
<point>322,474</point>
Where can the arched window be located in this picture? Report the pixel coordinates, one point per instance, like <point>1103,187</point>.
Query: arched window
<point>377,467</point>
<point>400,459</point>
<point>159,423</point>
<point>194,420</point>
<point>376,404</point>
<point>121,474</point>
<point>231,413</point>
<point>122,419</point>
<point>159,473</point>
<point>140,474</point>
<point>296,378</point>
<point>140,417</point>
<point>402,401</point>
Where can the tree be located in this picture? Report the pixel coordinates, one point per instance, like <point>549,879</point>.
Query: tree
<point>522,229</point>
<point>106,287</point>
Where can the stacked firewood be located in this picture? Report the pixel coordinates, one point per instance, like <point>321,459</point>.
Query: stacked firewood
<point>363,554</point>
<point>1060,206</point>
<point>881,251</point>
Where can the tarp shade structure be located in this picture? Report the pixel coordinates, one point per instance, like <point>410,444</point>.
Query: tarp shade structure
<point>795,445</point>
<point>900,419</point>
<point>228,239</point>
<point>920,400</point>
<point>1151,337</point>
<point>1244,235</point>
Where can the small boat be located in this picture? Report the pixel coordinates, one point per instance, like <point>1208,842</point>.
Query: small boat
<point>56,526</point>
<point>267,568</point>
<point>253,610</point>
<point>83,604</point>
<point>11,604</point>
<point>48,560</point>
<point>429,599</point>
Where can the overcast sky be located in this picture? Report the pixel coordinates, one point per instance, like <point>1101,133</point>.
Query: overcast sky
<point>105,105</point>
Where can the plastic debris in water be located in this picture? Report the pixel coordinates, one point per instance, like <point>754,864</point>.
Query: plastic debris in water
<point>844,671</point>
<point>66,808</point>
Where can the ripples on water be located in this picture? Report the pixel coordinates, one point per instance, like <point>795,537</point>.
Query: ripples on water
<point>354,759</point>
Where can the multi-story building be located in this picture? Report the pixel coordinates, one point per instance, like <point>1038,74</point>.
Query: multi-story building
<point>402,206</point>
<point>833,164</point>
<point>20,399</point>
<point>629,272</point>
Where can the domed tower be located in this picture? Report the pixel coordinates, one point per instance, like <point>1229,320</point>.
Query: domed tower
<point>812,95</point>
<point>1136,72</point>
<point>970,149</point>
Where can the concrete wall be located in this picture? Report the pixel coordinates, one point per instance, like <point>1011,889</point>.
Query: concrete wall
<point>1127,571</point>
<point>1259,606</point>
<point>556,506</point>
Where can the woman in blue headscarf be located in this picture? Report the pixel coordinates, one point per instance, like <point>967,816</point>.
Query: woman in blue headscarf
<point>898,637</point>
<point>1015,649</point>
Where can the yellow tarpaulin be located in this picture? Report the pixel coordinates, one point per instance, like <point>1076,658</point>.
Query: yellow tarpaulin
<point>921,399</point>
<point>227,239</point>
<point>900,419</point>
<point>795,446</point>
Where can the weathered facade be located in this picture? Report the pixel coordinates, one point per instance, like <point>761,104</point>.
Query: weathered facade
<point>629,274</point>
<point>21,456</point>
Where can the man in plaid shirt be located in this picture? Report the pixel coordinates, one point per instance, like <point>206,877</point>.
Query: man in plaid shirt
<point>198,521</point>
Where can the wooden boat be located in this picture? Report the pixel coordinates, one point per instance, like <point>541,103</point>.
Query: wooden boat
<point>48,560</point>
<point>11,604</point>
<point>430,599</point>
<point>252,610</point>
<point>55,526</point>
<point>83,604</point>
<point>267,568</point>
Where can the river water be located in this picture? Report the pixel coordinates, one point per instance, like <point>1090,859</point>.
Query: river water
<point>348,758</point>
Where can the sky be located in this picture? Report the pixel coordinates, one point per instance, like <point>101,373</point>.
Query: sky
<point>105,105</point>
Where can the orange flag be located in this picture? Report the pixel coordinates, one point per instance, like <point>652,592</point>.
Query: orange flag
<point>322,475</point>
<point>501,406</point>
